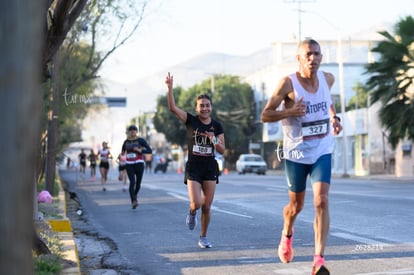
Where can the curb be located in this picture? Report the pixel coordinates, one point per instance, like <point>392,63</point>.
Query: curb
<point>63,229</point>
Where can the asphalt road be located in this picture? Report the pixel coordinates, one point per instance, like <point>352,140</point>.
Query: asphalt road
<point>371,230</point>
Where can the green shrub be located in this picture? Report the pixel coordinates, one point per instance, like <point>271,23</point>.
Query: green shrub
<point>47,264</point>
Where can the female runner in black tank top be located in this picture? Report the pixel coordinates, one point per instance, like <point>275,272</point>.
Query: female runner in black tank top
<point>204,135</point>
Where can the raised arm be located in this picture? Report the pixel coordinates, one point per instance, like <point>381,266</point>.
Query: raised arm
<point>179,113</point>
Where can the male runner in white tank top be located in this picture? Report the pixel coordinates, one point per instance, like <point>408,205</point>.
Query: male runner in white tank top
<point>309,122</point>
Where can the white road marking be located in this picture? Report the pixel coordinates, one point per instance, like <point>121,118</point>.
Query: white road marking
<point>355,238</point>
<point>393,272</point>
<point>178,196</point>
<point>215,208</point>
<point>255,261</point>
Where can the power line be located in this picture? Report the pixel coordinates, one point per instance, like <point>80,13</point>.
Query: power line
<point>299,3</point>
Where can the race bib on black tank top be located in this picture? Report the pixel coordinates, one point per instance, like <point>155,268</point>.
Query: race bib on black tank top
<point>200,146</point>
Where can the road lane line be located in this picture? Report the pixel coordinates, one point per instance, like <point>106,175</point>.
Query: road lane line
<point>249,261</point>
<point>215,208</point>
<point>355,238</point>
<point>177,196</point>
<point>391,272</point>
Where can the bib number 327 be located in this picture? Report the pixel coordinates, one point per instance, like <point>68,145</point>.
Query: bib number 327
<point>315,128</point>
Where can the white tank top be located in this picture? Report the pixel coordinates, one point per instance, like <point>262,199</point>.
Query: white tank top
<point>308,137</point>
<point>104,153</point>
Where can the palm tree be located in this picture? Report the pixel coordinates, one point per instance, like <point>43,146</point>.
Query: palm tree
<point>391,81</point>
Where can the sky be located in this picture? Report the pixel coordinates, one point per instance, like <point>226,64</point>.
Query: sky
<point>175,31</point>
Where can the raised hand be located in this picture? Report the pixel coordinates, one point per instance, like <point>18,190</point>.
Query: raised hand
<point>169,81</point>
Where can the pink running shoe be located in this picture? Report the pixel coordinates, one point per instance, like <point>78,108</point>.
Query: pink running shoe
<point>285,249</point>
<point>319,267</point>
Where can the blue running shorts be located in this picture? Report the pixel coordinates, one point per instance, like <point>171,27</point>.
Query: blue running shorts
<point>297,173</point>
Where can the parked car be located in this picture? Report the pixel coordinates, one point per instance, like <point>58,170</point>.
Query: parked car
<point>251,163</point>
<point>220,161</point>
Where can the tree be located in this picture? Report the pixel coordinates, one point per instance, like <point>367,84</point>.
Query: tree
<point>75,42</point>
<point>61,15</point>
<point>360,99</point>
<point>166,122</point>
<point>67,103</point>
<point>20,110</point>
<point>232,106</point>
<point>105,26</point>
<point>391,81</point>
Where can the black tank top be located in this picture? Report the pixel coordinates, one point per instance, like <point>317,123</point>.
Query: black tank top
<point>200,148</point>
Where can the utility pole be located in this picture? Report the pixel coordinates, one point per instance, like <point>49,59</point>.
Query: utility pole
<point>342,97</point>
<point>299,3</point>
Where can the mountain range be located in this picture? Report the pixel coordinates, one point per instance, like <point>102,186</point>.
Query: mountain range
<point>142,94</point>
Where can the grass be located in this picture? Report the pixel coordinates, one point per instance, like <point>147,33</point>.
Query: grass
<point>49,264</point>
